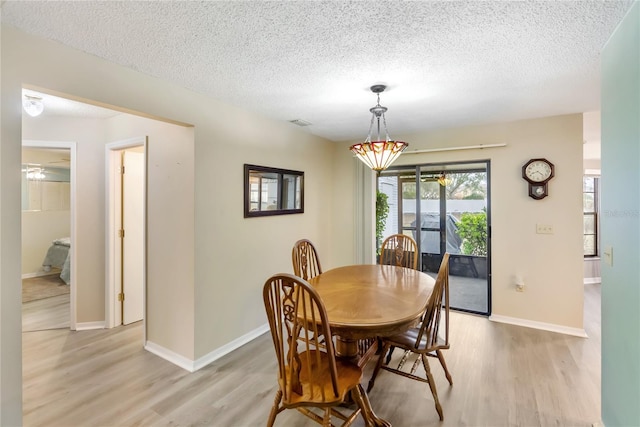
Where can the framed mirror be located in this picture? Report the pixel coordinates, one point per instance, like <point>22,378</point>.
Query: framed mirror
<point>272,191</point>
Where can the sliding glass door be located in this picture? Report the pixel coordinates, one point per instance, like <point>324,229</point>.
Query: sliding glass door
<point>445,208</point>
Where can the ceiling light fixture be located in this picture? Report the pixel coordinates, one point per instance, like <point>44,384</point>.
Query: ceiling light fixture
<point>33,105</point>
<point>443,180</point>
<point>379,154</point>
<point>35,174</point>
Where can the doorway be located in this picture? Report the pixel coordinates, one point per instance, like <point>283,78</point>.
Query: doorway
<point>48,235</point>
<point>126,240</point>
<point>445,207</point>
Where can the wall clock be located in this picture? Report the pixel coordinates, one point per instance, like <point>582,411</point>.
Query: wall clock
<point>537,173</point>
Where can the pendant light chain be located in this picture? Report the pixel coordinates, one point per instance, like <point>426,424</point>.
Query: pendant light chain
<point>378,155</point>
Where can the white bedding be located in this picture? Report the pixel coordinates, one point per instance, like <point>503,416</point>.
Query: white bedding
<point>58,256</point>
<point>63,241</point>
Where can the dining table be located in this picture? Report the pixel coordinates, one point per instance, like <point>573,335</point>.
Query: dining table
<point>364,302</point>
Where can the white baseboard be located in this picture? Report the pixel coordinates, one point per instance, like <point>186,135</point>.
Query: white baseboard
<point>229,347</point>
<point>598,424</point>
<point>539,325</point>
<point>592,280</point>
<point>170,356</point>
<point>86,326</point>
<point>39,274</point>
<point>194,365</point>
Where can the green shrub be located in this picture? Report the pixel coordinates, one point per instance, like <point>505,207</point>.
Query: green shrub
<point>472,228</point>
<point>382,212</point>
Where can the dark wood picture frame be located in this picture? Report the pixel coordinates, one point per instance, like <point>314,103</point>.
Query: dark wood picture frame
<point>272,191</point>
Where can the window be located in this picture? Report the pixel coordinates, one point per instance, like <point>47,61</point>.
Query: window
<point>45,188</point>
<point>271,191</point>
<point>590,185</point>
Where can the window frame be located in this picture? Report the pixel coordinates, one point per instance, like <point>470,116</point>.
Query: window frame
<point>595,214</point>
<point>280,196</point>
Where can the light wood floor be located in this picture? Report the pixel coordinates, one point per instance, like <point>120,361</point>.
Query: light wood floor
<point>503,376</point>
<point>47,313</point>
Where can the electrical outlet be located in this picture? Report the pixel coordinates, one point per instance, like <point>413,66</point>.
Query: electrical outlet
<point>544,229</point>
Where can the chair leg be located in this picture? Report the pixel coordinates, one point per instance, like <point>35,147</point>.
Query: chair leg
<point>403,359</point>
<point>372,381</point>
<point>432,385</point>
<point>444,366</point>
<point>370,418</point>
<point>414,367</point>
<point>389,355</point>
<point>326,421</point>
<point>274,409</point>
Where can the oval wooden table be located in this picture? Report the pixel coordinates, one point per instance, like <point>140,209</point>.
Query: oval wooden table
<point>366,301</point>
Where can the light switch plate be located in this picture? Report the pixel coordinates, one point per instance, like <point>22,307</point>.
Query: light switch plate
<point>607,255</point>
<point>544,229</point>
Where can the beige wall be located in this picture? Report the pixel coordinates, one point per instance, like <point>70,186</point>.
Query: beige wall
<point>39,229</point>
<point>170,228</point>
<point>89,136</point>
<point>233,256</point>
<point>170,213</point>
<point>551,265</point>
<point>10,236</point>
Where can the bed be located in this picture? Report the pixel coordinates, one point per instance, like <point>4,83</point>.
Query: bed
<point>58,256</point>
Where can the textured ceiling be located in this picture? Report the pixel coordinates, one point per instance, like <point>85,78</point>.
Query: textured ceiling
<point>447,64</point>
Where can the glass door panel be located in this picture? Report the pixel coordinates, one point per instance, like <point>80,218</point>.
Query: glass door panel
<point>389,186</point>
<point>466,213</point>
<point>430,230</point>
<point>451,201</point>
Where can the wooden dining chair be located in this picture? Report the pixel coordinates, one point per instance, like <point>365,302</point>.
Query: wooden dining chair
<point>309,379</point>
<point>429,339</point>
<point>306,263</point>
<point>400,250</point>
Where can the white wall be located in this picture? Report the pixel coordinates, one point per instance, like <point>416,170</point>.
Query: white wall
<point>551,265</point>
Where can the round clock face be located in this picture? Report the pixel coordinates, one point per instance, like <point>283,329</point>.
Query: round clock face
<point>538,171</point>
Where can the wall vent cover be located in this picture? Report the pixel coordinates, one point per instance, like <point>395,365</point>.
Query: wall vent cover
<point>299,122</point>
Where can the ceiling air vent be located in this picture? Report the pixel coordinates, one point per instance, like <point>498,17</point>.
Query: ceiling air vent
<point>299,122</point>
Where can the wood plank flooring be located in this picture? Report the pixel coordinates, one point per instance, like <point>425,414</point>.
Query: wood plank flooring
<point>503,375</point>
<point>40,287</point>
<point>47,313</point>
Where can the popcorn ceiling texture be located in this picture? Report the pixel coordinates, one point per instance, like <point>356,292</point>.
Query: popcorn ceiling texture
<point>447,64</point>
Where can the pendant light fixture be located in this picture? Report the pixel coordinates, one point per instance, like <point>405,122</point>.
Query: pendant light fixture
<point>32,105</point>
<point>443,180</point>
<point>378,154</point>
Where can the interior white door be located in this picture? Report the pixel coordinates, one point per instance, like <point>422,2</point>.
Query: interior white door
<point>133,241</point>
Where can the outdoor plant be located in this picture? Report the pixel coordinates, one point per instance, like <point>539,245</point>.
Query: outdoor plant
<point>382,212</point>
<point>472,228</point>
